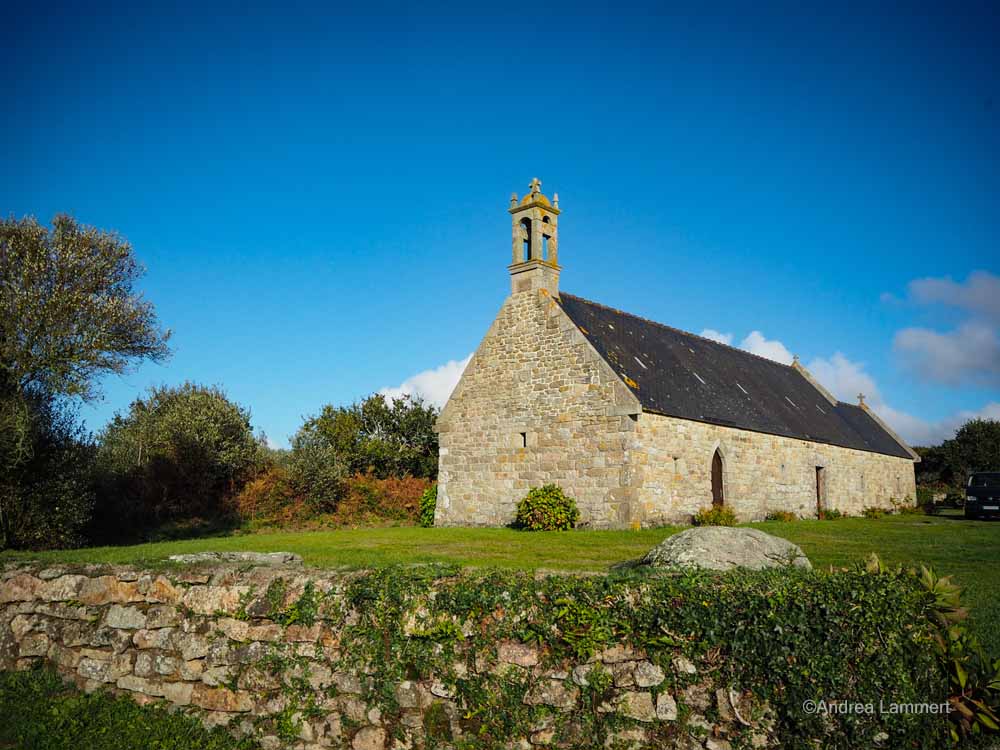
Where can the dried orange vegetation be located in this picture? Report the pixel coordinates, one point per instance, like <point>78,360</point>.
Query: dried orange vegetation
<point>369,499</point>
<point>271,500</point>
<point>265,496</point>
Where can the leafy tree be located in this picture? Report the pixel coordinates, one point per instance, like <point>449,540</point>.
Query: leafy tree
<point>69,312</point>
<point>975,447</point>
<point>317,470</point>
<point>932,468</point>
<point>176,454</point>
<point>385,438</point>
<point>69,309</point>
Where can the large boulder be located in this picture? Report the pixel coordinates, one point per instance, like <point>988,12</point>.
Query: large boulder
<point>724,548</point>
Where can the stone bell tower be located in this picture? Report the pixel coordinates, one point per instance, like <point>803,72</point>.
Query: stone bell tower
<point>534,220</point>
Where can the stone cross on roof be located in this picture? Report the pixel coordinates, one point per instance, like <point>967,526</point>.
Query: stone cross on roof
<point>535,186</point>
<point>861,399</point>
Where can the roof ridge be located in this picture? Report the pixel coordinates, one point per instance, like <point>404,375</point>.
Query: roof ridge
<point>678,330</point>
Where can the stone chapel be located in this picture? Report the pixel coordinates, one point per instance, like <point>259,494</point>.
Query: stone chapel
<point>642,423</point>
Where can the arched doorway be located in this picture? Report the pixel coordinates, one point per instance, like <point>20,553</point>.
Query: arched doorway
<point>718,498</point>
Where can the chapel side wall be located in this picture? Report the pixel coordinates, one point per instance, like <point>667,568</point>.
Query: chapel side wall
<point>535,373</point>
<point>761,472</point>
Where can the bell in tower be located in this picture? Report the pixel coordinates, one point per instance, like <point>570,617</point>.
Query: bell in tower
<point>535,251</point>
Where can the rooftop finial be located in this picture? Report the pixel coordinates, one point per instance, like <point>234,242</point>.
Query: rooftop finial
<point>861,399</point>
<point>555,200</point>
<point>513,200</point>
<point>535,186</point>
<point>795,360</point>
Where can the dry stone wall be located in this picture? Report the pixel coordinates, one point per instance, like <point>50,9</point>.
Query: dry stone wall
<point>280,654</point>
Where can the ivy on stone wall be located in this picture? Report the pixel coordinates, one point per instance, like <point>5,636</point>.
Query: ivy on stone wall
<point>444,657</point>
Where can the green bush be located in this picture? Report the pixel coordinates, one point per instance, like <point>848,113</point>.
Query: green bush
<point>873,512</point>
<point>547,508</point>
<point>46,474</point>
<point>715,515</point>
<point>781,515</point>
<point>384,437</point>
<point>830,514</point>
<point>428,503</point>
<point>39,712</point>
<point>179,453</point>
<point>973,678</point>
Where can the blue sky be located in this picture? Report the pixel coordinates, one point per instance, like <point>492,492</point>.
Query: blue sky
<point>319,193</point>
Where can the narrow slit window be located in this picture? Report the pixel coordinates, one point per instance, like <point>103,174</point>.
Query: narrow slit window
<point>524,439</point>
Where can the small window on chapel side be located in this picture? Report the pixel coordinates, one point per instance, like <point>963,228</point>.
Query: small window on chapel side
<point>524,439</point>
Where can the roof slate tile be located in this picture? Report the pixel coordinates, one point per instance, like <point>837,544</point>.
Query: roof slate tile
<point>679,374</point>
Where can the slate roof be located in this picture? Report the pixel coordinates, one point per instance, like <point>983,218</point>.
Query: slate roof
<point>678,374</point>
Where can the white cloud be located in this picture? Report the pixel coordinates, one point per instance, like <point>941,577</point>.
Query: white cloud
<point>756,343</point>
<point>979,294</point>
<point>844,379</point>
<point>722,338</point>
<point>970,353</point>
<point>918,431</point>
<point>433,386</point>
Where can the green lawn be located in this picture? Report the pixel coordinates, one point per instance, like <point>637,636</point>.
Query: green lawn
<point>967,550</point>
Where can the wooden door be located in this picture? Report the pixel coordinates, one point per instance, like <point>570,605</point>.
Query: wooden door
<point>717,495</point>
<point>820,489</point>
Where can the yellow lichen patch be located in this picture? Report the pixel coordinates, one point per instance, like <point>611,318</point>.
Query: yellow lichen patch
<point>630,383</point>
<point>584,330</point>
